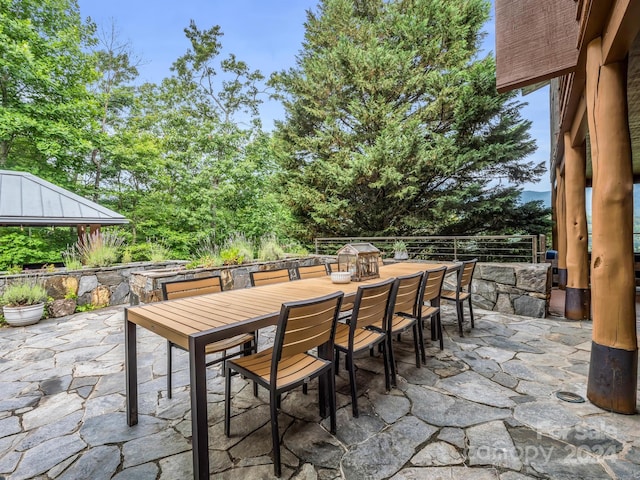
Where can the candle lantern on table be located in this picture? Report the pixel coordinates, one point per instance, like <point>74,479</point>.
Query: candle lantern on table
<point>361,260</point>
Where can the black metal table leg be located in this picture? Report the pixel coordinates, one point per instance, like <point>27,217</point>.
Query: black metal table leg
<point>131,370</point>
<point>199,422</point>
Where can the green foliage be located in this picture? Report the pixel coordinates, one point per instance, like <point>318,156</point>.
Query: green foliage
<point>158,251</point>
<point>270,249</point>
<point>14,269</point>
<point>399,246</point>
<point>99,249</point>
<point>20,248</point>
<point>238,242</point>
<point>231,256</point>
<point>45,71</point>
<point>393,120</point>
<point>237,249</point>
<point>87,307</point>
<point>207,255</point>
<point>23,292</point>
<point>71,259</point>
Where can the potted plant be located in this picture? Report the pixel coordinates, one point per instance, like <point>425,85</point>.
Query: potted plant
<point>23,302</point>
<point>400,250</point>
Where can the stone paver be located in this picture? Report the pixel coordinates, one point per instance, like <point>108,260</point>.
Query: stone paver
<point>484,408</point>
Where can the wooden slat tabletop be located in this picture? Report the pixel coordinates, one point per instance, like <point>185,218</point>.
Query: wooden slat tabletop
<point>225,314</point>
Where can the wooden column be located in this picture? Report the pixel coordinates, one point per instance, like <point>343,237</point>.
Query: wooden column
<point>614,351</point>
<point>562,230</point>
<point>577,303</point>
<point>81,229</point>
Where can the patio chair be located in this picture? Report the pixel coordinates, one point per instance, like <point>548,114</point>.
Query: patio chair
<point>405,308</point>
<point>268,277</point>
<point>462,291</point>
<point>302,326</point>
<point>347,305</point>
<point>371,307</point>
<point>202,286</point>
<point>312,271</point>
<point>430,305</point>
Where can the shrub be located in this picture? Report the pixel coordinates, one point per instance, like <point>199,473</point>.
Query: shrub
<point>19,248</point>
<point>14,269</point>
<point>231,256</point>
<point>23,292</point>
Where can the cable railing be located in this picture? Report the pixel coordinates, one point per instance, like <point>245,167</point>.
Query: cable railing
<point>486,248</point>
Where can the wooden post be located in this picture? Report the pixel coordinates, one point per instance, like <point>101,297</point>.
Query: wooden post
<point>577,303</point>
<point>562,230</point>
<point>614,350</point>
<point>81,229</point>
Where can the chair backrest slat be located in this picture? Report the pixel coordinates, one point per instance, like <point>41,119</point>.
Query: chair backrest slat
<point>433,284</point>
<point>407,290</point>
<point>191,287</point>
<point>467,273</point>
<point>312,271</point>
<point>305,325</point>
<point>268,277</point>
<point>372,304</point>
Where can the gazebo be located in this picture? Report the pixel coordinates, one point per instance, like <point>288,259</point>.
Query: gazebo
<point>27,200</point>
<point>589,52</point>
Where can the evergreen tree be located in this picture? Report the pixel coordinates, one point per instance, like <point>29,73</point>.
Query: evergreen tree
<point>394,125</point>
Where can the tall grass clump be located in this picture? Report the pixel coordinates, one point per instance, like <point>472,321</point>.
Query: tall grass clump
<point>237,249</point>
<point>99,249</point>
<point>270,248</point>
<point>207,255</point>
<point>71,259</point>
<point>158,251</point>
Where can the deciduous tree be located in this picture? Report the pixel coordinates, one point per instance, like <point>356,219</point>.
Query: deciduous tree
<point>45,69</point>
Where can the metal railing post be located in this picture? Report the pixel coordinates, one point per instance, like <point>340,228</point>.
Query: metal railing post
<point>455,249</point>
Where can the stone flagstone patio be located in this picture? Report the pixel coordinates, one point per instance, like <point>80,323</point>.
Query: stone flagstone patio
<point>484,408</point>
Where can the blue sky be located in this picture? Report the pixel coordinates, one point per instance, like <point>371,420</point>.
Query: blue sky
<point>267,34</point>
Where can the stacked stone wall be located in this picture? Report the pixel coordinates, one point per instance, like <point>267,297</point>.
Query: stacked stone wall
<point>96,286</point>
<point>146,286</point>
<point>515,288</point>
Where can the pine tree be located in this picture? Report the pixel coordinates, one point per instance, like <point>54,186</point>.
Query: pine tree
<point>393,123</point>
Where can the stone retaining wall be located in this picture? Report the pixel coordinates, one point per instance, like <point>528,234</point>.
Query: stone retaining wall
<point>96,286</point>
<point>523,289</point>
<point>518,288</point>
<point>146,287</point>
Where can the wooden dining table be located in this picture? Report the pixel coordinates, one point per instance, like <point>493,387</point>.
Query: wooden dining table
<point>194,322</point>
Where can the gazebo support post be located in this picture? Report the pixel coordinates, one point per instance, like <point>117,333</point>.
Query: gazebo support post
<point>82,229</point>
<point>578,296</point>
<point>561,216</point>
<point>614,352</point>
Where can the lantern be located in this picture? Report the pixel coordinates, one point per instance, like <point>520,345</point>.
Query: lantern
<point>361,259</point>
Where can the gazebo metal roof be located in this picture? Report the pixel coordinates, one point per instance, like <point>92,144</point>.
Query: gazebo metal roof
<point>31,201</point>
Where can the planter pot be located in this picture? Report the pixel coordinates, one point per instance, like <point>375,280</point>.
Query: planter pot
<point>401,256</point>
<point>21,316</point>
